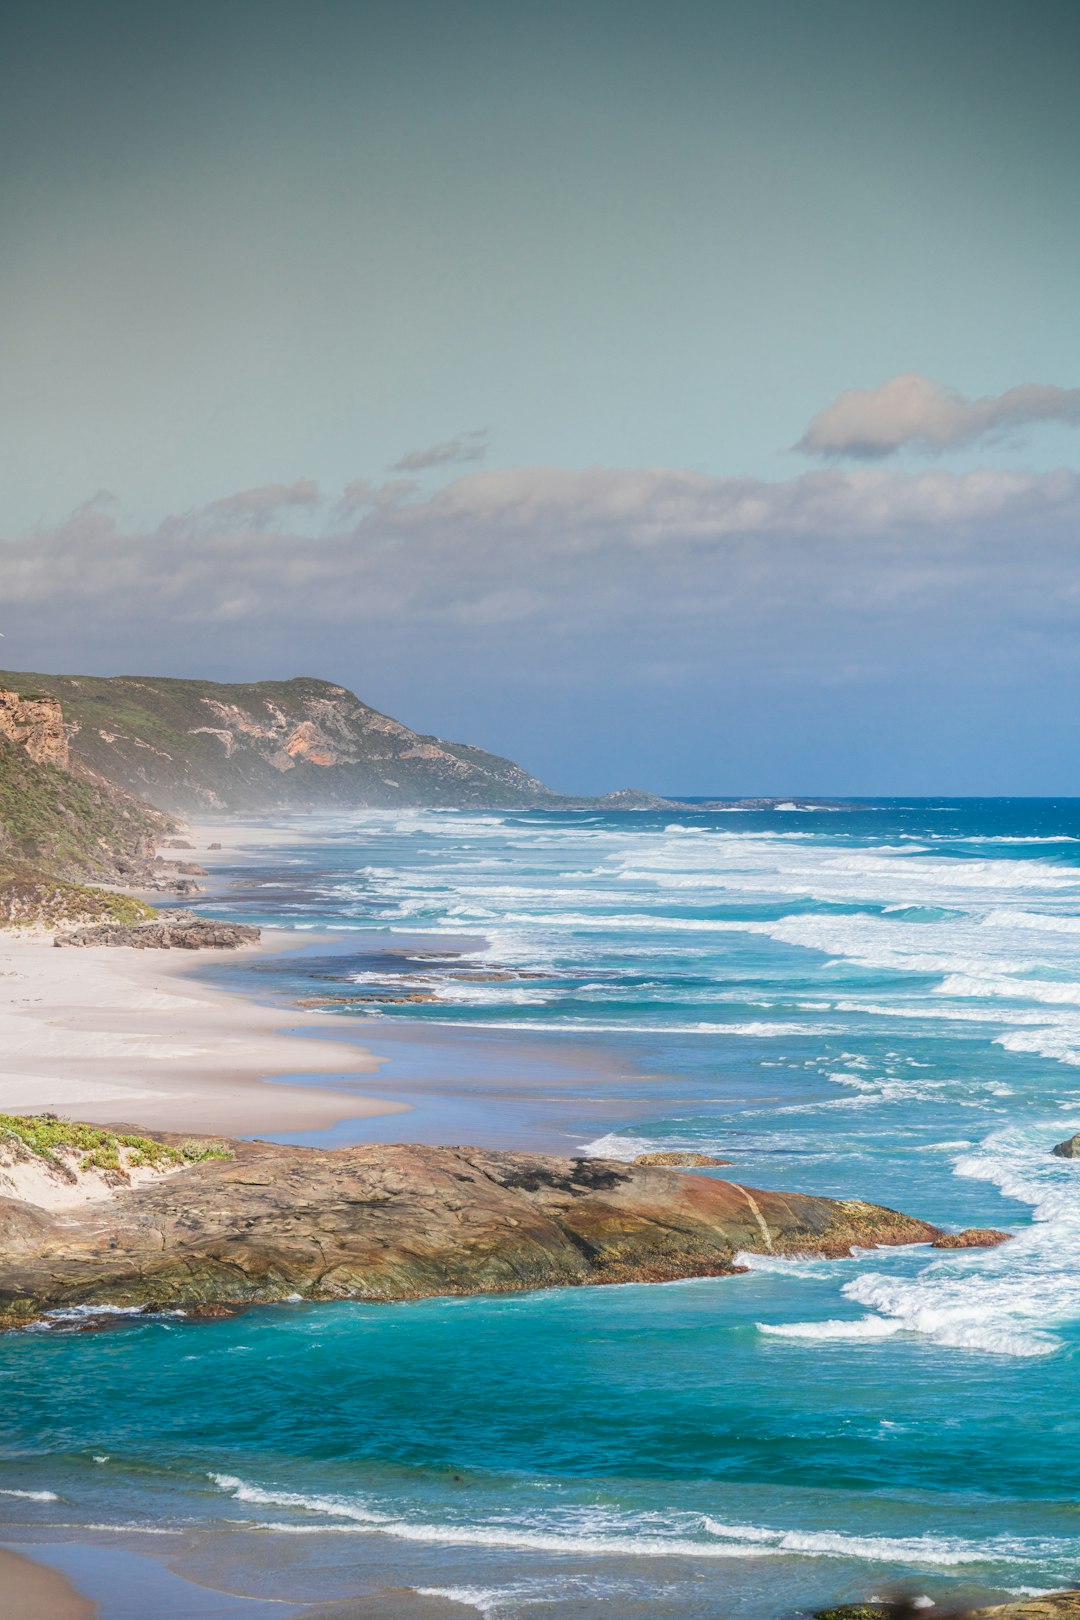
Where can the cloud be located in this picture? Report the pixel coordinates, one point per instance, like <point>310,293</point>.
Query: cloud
<point>560,548</point>
<point>262,506</point>
<point>471,446</point>
<point>590,621</point>
<point>911,411</point>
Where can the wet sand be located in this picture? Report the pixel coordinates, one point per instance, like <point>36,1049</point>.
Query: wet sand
<point>33,1591</point>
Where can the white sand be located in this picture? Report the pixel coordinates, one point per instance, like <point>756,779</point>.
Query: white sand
<point>117,1036</point>
<point>36,1180</point>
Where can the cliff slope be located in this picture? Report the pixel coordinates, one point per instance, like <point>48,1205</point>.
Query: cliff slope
<point>191,746</point>
<point>60,823</point>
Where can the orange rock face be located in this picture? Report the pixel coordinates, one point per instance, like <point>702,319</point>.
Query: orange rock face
<point>37,725</point>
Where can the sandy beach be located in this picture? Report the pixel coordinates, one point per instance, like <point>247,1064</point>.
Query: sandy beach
<point>120,1036</point>
<point>32,1591</point>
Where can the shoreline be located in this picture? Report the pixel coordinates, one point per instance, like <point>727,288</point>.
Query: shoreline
<point>119,1037</point>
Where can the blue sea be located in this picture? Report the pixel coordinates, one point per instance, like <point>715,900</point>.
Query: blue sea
<point>871,1000</point>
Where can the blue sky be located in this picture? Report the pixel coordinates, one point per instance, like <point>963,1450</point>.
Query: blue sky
<point>553,291</point>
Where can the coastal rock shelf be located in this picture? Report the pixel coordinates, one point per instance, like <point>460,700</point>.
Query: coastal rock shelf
<point>1044,1606</point>
<point>406,1222</point>
<point>164,932</point>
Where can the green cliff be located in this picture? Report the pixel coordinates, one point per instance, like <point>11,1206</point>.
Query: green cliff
<point>61,824</point>
<point>191,746</point>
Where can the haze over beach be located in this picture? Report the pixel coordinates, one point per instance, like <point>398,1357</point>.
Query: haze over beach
<point>539,810</point>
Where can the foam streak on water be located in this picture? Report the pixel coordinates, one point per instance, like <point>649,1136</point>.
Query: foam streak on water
<point>881,1002</point>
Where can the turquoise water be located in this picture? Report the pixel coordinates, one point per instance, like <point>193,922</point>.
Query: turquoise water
<point>873,1001</point>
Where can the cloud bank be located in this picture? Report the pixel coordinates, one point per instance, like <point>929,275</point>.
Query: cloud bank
<point>608,625</point>
<point>912,412</point>
<point>549,545</point>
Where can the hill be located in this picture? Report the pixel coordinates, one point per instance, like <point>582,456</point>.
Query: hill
<point>61,824</point>
<point>191,746</point>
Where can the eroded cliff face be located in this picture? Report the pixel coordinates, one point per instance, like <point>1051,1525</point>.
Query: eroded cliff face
<point>404,1222</point>
<point>35,724</point>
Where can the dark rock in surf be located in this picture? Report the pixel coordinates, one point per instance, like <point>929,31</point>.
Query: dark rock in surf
<point>680,1161</point>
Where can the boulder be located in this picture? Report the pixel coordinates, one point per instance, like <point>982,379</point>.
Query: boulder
<point>1069,1149</point>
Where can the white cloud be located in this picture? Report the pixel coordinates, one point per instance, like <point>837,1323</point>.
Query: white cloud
<point>911,411</point>
<point>261,507</point>
<point>471,446</point>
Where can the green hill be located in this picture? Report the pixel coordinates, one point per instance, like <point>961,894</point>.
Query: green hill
<point>191,746</point>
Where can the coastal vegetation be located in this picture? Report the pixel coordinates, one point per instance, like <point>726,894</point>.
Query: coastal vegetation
<point>66,822</point>
<point>63,829</point>
<point>57,1140</point>
<point>30,898</point>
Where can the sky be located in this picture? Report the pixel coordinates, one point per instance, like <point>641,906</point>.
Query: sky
<point>678,395</point>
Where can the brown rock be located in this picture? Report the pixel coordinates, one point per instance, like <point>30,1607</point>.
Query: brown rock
<point>686,1161</point>
<point>1069,1149</point>
<point>178,932</point>
<point>36,724</point>
<point>405,1222</point>
<point>974,1237</point>
<point>1051,1606</point>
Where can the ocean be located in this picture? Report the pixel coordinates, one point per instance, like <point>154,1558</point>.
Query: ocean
<point>870,1000</point>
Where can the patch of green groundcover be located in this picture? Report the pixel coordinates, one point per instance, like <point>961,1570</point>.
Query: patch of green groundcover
<point>31,898</point>
<point>47,1136</point>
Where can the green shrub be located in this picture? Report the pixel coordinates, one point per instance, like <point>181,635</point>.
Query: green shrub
<point>46,1135</point>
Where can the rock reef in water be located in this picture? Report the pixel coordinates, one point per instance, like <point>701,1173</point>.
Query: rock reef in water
<point>1069,1149</point>
<point>1048,1606</point>
<point>406,1222</point>
<point>973,1237</point>
<point>684,1161</point>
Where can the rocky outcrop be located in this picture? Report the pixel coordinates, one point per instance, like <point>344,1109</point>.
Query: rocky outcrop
<point>1069,1149</point>
<point>974,1237</point>
<point>35,724</point>
<point>684,1161</point>
<point>1048,1606</point>
<point>406,1222</point>
<point>165,931</point>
